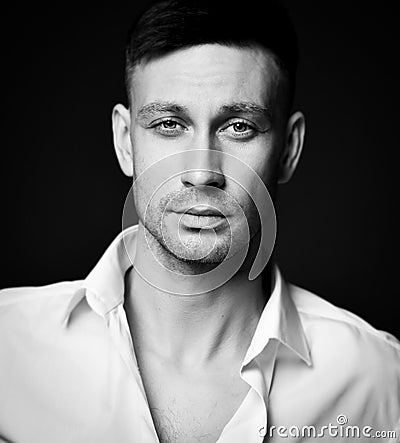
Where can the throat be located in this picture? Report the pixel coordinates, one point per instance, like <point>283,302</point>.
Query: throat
<point>194,329</point>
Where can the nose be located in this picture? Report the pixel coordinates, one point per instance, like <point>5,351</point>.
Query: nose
<point>202,168</point>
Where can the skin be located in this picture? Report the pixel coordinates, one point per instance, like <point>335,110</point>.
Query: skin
<point>198,342</point>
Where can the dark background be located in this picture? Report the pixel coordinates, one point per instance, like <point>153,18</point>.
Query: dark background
<point>62,190</point>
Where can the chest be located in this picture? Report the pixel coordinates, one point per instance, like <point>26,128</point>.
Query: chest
<point>192,407</point>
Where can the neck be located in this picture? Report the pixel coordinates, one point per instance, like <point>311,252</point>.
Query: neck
<point>193,329</point>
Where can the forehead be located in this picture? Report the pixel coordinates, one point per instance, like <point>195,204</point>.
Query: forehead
<point>209,74</point>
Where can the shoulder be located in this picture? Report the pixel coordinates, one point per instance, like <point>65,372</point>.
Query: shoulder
<point>342,340</point>
<point>316,311</point>
<point>17,294</point>
<point>33,301</point>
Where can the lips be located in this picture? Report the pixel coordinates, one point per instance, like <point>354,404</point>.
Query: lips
<point>202,210</point>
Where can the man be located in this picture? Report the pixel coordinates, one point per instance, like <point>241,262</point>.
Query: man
<point>176,335</point>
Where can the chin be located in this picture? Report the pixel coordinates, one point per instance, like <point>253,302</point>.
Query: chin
<point>213,258</point>
<point>193,249</point>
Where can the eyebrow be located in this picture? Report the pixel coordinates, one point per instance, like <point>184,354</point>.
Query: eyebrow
<point>161,107</point>
<point>246,108</point>
<point>151,109</point>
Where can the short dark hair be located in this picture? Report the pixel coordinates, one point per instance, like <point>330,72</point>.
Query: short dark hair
<point>168,25</point>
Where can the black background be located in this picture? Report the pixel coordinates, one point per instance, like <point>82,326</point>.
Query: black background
<point>62,190</point>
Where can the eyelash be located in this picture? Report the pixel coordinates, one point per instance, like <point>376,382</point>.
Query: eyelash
<point>170,132</point>
<point>173,132</point>
<point>242,134</point>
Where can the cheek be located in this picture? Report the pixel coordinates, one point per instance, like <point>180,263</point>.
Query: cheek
<point>140,160</point>
<point>141,198</point>
<point>148,151</point>
<point>145,151</point>
<point>144,181</point>
<point>264,162</point>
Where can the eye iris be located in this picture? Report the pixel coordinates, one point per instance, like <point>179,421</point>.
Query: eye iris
<point>169,124</point>
<point>240,127</point>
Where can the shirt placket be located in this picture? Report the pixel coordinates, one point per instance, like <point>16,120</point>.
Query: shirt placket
<point>250,422</point>
<point>118,327</point>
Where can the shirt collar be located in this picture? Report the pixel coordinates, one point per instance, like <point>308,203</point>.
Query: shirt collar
<point>104,290</point>
<point>104,286</point>
<point>279,320</point>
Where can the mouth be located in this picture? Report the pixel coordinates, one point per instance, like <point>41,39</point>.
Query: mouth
<point>202,211</point>
<point>201,217</point>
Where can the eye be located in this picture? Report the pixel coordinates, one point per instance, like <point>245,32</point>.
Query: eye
<point>240,129</point>
<point>169,124</point>
<point>168,127</point>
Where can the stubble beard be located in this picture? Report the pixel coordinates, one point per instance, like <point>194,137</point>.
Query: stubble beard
<point>179,248</point>
<point>191,251</point>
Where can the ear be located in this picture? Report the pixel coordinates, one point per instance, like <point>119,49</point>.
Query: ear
<point>295,130</point>
<point>121,123</point>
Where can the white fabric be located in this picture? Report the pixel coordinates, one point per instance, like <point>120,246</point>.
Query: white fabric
<point>68,371</point>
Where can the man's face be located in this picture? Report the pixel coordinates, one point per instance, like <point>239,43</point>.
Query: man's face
<point>206,99</point>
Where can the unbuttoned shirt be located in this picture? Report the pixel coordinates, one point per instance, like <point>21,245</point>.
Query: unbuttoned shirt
<point>68,371</point>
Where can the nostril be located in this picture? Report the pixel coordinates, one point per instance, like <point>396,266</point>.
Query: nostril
<point>199,177</point>
<point>216,184</point>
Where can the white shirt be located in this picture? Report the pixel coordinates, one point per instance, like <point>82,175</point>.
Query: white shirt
<point>68,371</point>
